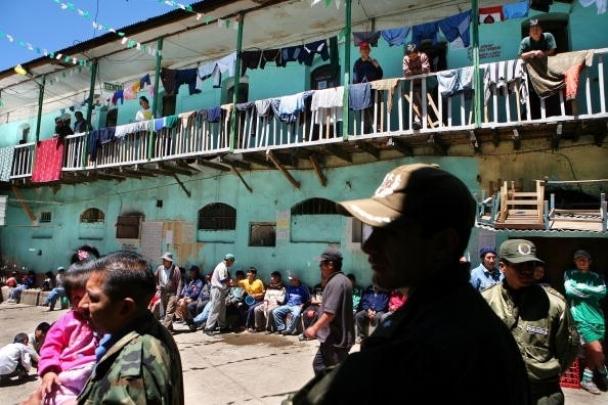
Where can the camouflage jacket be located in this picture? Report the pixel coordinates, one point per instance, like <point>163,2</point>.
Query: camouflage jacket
<point>142,367</point>
<point>540,321</point>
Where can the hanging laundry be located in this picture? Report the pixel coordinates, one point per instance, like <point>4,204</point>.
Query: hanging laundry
<point>516,10</point>
<point>167,76</point>
<point>455,81</point>
<point>201,116</point>
<point>151,91</point>
<point>396,36</point>
<point>290,107</point>
<point>457,27</point>
<point>369,37</point>
<point>270,55</point>
<point>359,96</point>
<point>135,87</point>
<point>328,100</point>
<point>549,75</point>
<point>504,74</point>
<point>48,160</point>
<point>250,60</point>
<point>129,94</point>
<point>600,4</point>
<point>226,65</point>
<point>98,137</point>
<point>145,80</point>
<point>290,54</point>
<point>118,95</point>
<point>123,130</point>
<point>541,5</point>
<point>171,121</point>
<point>214,114</point>
<point>159,123</point>
<point>7,154</point>
<point>490,15</point>
<point>186,76</point>
<point>246,106</point>
<point>263,107</point>
<point>389,86</point>
<point>186,118</point>
<point>425,32</point>
<point>311,49</point>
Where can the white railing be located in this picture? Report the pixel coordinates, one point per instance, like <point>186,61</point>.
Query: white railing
<point>23,160</point>
<point>75,152</point>
<point>517,107</point>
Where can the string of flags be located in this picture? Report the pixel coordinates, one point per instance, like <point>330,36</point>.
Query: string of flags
<point>128,42</point>
<point>205,18</point>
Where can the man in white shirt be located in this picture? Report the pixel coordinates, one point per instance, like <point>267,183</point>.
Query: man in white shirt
<point>219,290</point>
<point>16,358</point>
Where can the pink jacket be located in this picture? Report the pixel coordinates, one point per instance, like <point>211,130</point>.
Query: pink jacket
<point>396,301</point>
<point>70,343</point>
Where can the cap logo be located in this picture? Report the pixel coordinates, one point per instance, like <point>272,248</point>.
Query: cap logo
<point>390,183</point>
<point>524,249</point>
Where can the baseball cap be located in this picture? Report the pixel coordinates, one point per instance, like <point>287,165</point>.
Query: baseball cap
<point>331,255</point>
<point>420,193</point>
<point>518,251</point>
<point>364,45</point>
<point>229,256</point>
<point>582,253</point>
<point>534,22</point>
<point>168,256</point>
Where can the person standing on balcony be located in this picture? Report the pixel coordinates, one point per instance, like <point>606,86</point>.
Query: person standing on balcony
<point>585,289</point>
<point>416,63</point>
<point>486,274</point>
<point>61,129</point>
<point>145,114</point>
<point>365,70</point>
<point>537,44</point>
<point>81,125</point>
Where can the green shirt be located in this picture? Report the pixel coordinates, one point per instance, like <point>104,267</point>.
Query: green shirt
<point>585,289</point>
<point>546,43</point>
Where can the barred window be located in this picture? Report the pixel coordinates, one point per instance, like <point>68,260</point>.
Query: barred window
<point>92,216</point>
<point>128,225</point>
<point>217,217</point>
<point>315,206</point>
<point>46,217</point>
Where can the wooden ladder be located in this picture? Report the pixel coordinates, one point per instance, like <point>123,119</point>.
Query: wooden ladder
<point>521,210</point>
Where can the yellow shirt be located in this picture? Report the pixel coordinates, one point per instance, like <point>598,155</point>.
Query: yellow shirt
<point>257,287</point>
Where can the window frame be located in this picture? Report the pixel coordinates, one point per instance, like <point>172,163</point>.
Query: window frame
<point>225,222</point>
<point>272,242</point>
<point>88,221</point>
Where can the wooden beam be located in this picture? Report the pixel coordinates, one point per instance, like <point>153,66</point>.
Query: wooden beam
<point>235,170</point>
<point>234,163</point>
<point>186,165</point>
<point>369,148</point>
<point>440,146</point>
<point>106,176</point>
<point>212,165</point>
<point>23,204</point>
<point>182,185</point>
<point>256,160</point>
<point>176,169</point>
<point>339,153</point>
<point>318,171</point>
<point>280,167</point>
<point>137,172</point>
<point>403,147</point>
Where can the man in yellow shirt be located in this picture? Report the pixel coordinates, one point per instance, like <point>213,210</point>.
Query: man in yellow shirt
<point>254,288</point>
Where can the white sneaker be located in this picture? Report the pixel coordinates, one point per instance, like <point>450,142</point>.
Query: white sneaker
<point>590,387</point>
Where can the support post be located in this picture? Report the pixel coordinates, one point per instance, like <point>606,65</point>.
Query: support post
<point>318,171</point>
<point>280,167</point>
<point>477,82</point>
<point>40,101</point>
<point>91,93</point>
<point>347,35</point>
<point>237,82</point>
<point>157,69</point>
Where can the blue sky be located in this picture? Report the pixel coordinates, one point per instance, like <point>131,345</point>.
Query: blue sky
<point>44,24</point>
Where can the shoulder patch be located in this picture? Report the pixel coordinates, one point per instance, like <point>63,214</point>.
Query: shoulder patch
<point>553,292</point>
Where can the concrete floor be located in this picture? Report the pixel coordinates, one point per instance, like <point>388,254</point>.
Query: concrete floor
<point>231,369</point>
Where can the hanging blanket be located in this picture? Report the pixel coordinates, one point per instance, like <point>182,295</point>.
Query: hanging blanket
<point>389,86</point>
<point>49,160</point>
<point>6,162</point>
<point>549,75</point>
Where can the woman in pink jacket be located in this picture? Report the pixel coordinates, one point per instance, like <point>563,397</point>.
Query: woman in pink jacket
<point>67,357</point>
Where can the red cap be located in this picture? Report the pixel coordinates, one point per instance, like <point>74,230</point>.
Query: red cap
<point>364,45</point>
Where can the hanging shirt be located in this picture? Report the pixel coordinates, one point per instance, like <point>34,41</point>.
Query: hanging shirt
<point>186,76</point>
<point>370,38</point>
<point>457,27</point>
<point>396,36</point>
<point>601,5</point>
<point>516,10</point>
<point>250,60</point>
<point>425,32</point>
<point>541,5</point>
<point>366,71</point>
<point>359,96</point>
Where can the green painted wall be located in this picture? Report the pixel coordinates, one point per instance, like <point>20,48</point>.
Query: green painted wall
<point>306,238</point>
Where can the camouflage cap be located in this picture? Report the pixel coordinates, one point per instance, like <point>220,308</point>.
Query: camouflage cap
<point>420,193</point>
<point>518,251</point>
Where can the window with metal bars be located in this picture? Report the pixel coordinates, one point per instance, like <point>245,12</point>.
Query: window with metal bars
<point>217,217</point>
<point>127,226</point>
<point>262,234</point>
<point>92,216</point>
<point>46,217</point>
<point>315,206</point>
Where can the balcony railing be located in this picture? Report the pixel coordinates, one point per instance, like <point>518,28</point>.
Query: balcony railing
<point>395,110</point>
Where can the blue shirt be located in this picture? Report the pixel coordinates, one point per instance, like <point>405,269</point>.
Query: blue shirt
<point>374,300</point>
<point>482,278</point>
<point>297,295</point>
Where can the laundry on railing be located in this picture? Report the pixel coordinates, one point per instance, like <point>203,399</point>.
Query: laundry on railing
<point>288,108</point>
<point>7,154</point>
<point>455,81</point>
<point>245,106</point>
<point>504,75</point>
<point>263,107</point>
<point>98,137</point>
<point>214,114</point>
<point>132,128</point>
<point>389,86</point>
<point>326,101</point>
<point>187,118</point>
<point>549,75</point>
<point>359,96</point>
<point>48,160</point>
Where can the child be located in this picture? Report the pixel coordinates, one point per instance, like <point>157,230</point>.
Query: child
<point>16,359</point>
<point>67,357</point>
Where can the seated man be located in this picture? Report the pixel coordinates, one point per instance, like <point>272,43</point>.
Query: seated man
<point>58,291</point>
<point>297,296</point>
<point>311,312</point>
<point>357,292</point>
<point>189,294</point>
<point>16,359</point>
<point>203,298</point>
<point>275,294</point>
<point>416,63</point>
<point>27,281</point>
<point>235,305</point>
<point>373,305</point>
<point>537,44</point>
<point>254,288</point>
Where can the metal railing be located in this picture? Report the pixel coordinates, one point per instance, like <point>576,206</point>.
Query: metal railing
<point>23,160</point>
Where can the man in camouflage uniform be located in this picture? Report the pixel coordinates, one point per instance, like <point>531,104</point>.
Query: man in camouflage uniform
<point>138,361</point>
<point>538,318</point>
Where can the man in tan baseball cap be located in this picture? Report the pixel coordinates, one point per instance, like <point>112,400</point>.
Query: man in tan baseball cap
<point>445,344</point>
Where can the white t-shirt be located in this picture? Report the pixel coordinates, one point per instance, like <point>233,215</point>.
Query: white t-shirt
<point>144,115</point>
<point>14,354</point>
<point>220,275</point>
<point>163,275</point>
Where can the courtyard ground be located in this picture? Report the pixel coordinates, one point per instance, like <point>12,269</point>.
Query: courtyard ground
<point>230,369</point>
